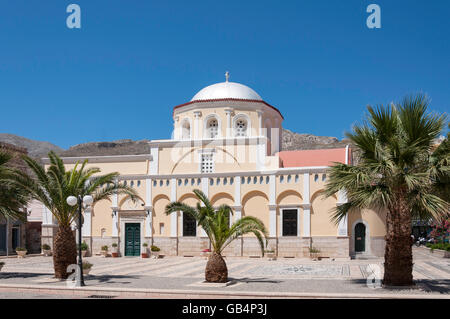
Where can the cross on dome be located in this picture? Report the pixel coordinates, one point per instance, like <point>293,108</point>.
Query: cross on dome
<point>227,76</point>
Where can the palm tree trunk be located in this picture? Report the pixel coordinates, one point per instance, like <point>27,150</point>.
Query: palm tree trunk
<point>216,269</point>
<point>398,260</point>
<point>65,251</point>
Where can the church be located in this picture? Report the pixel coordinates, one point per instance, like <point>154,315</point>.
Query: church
<point>226,142</point>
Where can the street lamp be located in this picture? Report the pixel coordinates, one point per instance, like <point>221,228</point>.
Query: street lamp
<point>72,201</point>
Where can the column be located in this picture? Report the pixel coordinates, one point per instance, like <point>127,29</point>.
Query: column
<point>154,152</point>
<point>272,207</point>
<point>197,115</point>
<point>229,129</point>
<point>176,135</point>
<point>237,198</point>
<point>260,113</point>
<point>173,216</point>
<point>306,207</point>
<point>148,208</point>
<point>86,229</point>
<point>115,209</point>
<point>343,223</point>
<point>205,189</point>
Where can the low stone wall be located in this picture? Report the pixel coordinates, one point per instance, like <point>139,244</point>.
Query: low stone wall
<point>377,246</point>
<point>332,247</point>
<point>192,246</point>
<point>293,247</point>
<point>167,245</point>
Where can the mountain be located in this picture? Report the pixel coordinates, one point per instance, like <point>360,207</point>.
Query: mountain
<point>36,149</point>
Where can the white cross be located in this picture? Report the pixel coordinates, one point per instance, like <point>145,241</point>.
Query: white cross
<point>227,76</point>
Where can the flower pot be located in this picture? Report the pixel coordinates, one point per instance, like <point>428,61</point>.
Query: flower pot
<point>1,266</point>
<point>155,254</point>
<point>47,252</point>
<point>115,254</point>
<point>104,253</point>
<point>21,253</point>
<point>271,256</point>
<point>144,255</point>
<point>83,253</point>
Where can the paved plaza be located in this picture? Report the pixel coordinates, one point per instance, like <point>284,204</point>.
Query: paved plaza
<point>249,276</point>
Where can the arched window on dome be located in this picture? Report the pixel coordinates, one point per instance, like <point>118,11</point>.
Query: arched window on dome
<point>240,127</point>
<point>186,130</point>
<point>212,128</point>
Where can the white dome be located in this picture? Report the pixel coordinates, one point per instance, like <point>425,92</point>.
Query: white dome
<point>226,90</point>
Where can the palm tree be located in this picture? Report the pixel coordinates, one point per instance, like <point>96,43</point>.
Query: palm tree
<point>52,187</point>
<point>217,227</point>
<point>398,172</point>
<point>13,199</point>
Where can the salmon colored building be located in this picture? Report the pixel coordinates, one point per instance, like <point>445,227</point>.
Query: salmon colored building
<point>227,142</point>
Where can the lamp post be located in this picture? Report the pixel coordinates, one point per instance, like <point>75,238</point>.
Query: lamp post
<point>72,201</point>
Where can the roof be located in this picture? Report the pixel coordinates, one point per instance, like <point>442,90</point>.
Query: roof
<point>321,157</point>
<point>226,90</point>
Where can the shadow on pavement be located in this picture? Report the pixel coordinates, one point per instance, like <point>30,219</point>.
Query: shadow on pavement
<point>112,279</point>
<point>9,275</point>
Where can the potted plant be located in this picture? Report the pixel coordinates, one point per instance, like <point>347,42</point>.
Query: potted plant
<point>84,249</point>
<point>1,265</point>
<point>21,252</point>
<point>87,266</point>
<point>155,251</point>
<point>144,253</point>
<point>314,253</point>
<point>104,251</point>
<point>270,254</point>
<point>114,252</point>
<point>46,250</point>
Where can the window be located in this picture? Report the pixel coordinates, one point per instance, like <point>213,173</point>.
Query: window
<point>189,226</point>
<point>212,128</point>
<point>186,130</point>
<point>290,222</point>
<point>207,164</point>
<point>240,127</point>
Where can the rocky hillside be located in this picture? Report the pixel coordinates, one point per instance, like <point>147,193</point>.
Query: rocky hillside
<point>36,149</point>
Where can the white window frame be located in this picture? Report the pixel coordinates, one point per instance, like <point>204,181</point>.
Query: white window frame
<point>200,161</point>
<point>185,120</point>
<point>205,127</point>
<point>249,125</point>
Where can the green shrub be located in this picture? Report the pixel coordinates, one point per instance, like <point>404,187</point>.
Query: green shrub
<point>1,263</point>
<point>314,250</point>
<point>46,247</point>
<point>20,249</point>
<point>84,246</point>
<point>440,246</point>
<point>114,245</point>
<point>105,248</point>
<point>87,265</point>
<point>154,248</point>
<point>144,244</point>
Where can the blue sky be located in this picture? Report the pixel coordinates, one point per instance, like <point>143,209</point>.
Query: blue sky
<point>120,75</point>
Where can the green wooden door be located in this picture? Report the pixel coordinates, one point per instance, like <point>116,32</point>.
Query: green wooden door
<point>132,239</point>
<point>360,237</point>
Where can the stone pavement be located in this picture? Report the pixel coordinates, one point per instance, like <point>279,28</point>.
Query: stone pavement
<point>251,277</point>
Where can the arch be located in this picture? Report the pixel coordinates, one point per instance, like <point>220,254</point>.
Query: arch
<point>188,197</point>
<point>319,193</point>
<point>222,197</point>
<point>181,158</point>
<point>206,123</point>
<point>251,194</point>
<point>127,204</point>
<point>186,131</point>
<point>236,118</point>
<point>159,197</point>
<point>289,197</point>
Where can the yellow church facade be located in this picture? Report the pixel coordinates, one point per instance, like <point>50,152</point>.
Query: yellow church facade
<point>226,142</point>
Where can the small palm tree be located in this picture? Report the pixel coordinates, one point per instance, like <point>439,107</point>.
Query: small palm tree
<point>399,173</point>
<point>13,198</point>
<point>217,227</point>
<point>52,187</point>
